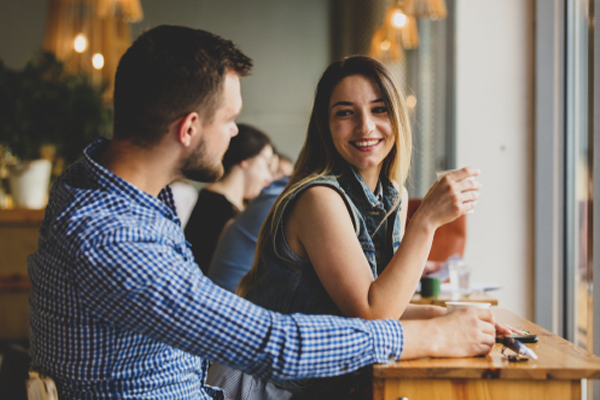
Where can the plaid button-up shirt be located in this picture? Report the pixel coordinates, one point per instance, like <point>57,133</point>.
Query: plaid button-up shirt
<point>119,309</point>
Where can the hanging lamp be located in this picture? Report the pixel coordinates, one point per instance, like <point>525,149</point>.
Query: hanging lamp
<point>90,36</point>
<point>129,10</point>
<point>431,9</point>
<point>385,45</point>
<point>404,25</point>
<point>398,32</point>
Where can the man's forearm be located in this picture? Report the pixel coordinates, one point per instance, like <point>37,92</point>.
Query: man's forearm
<point>272,345</point>
<point>189,312</point>
<point>320,346</point>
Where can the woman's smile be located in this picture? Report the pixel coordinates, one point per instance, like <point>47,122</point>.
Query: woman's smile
<point>366,144</point>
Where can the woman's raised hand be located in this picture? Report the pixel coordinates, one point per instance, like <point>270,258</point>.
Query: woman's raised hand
<point>449,198</point>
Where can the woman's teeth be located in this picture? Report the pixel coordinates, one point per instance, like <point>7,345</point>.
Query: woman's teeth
<point>366,143</point>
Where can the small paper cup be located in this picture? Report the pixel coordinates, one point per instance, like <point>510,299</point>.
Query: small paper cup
<point>457,305</point>
<point>441,174</point>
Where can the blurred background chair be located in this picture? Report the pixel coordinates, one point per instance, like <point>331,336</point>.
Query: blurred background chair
<point>448,240</point>
<point>14,368</point>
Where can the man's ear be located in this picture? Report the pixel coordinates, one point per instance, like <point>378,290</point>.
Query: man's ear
<point>190,126</point>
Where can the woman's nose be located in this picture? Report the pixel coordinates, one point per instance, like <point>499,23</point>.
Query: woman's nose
<point>365,123</point>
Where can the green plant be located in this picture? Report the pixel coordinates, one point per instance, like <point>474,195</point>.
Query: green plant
<point>44,104</point>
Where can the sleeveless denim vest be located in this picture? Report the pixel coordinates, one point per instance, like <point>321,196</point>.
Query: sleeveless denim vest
<point>288,284</point>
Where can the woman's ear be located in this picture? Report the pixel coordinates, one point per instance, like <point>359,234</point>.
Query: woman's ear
<point>189,127</point>
<point>243,164</point>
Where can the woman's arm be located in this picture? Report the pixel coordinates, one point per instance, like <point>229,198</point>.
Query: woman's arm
<point>319,227</point>
<point>422,311</point>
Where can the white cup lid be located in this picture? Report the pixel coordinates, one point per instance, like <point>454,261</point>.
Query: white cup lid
<point>467,304</point>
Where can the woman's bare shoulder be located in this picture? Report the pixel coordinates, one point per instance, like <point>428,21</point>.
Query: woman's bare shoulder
<point>318,215</point>
<point>319,197</point>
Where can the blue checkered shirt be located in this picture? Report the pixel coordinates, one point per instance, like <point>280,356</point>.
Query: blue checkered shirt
<point>119,309</point>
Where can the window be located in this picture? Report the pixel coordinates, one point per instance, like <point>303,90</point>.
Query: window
<point>565,95</point>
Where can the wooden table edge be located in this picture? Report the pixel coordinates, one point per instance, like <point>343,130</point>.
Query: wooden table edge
<point>404,369</point>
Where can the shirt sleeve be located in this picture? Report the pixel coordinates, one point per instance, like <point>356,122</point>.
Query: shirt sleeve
<point>149,288</point>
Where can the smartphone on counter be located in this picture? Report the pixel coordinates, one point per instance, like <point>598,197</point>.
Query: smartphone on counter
<point>526,337</point>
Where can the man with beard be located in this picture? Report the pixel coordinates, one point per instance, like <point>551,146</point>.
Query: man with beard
<point>118,307</point>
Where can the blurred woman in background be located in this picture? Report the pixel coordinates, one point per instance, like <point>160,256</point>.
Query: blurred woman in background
<point>248,163</point>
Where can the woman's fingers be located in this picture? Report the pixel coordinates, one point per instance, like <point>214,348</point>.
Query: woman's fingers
<point>464,173</point>
<point>461,190</point>
<point>452,196</point>
<point>457,182</point>
<point>471,195</point>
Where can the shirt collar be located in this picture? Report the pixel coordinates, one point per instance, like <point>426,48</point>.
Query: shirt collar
<point>385,193</point>
<point>112,183</point>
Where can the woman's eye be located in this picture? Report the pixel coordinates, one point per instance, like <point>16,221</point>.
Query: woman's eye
<point>380,110</point>
<point>343,113</point>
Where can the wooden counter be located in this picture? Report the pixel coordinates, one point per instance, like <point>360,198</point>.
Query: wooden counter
<point>556,374</point>
<point>21,216</point>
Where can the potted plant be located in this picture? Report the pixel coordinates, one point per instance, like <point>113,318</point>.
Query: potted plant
<point>46,114</point>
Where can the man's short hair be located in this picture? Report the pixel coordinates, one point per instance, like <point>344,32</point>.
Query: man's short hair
<point>168,72</point>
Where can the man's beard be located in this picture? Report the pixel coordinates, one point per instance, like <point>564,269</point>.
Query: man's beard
<point>196,166</point>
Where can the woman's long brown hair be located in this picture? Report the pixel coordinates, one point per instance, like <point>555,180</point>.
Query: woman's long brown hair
<point>319,156</point>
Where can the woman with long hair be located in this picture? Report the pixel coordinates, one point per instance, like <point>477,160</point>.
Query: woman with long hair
<point>335,240</point>
<point>344,208</point>
<point>249,165</point>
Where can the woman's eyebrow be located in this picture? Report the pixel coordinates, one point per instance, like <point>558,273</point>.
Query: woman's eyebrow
<point>342,103</point>
<point>348,103</point>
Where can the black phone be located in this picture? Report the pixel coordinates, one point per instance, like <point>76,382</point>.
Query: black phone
<point>521,338</point>
<point>526,338</point>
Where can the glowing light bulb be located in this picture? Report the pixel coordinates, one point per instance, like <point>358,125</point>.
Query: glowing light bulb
<point>399,19</point>
<point>411,101</point>
<point>98,61</point>
<point>80,43</point>
<point>385,45</point>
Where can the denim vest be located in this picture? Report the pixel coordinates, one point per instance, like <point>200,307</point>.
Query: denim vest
<point>289,284</point>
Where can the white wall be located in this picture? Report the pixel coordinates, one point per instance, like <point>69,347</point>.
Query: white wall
<point>21,30</point>
<point>494,132</point>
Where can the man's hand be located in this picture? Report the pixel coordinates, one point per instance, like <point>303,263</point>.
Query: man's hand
<point>462,333</point>
<point>503,329</point>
